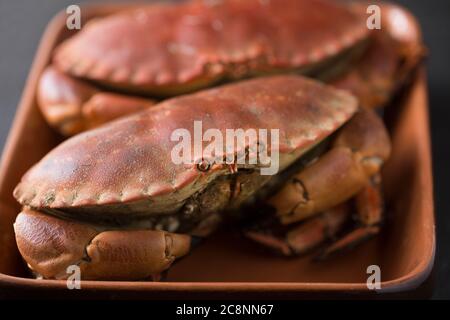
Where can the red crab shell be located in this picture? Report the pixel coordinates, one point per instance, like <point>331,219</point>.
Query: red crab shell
<point>170,49</point>
<point>129,160</point>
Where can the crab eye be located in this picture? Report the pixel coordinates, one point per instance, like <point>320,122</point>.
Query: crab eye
<point>203,165</point>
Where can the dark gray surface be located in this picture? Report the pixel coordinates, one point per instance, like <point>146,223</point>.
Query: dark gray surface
<point>22,24</point>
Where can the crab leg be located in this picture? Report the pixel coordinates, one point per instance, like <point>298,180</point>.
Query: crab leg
<point>71,106</point>
<point>301,238</point>
<point>356,154</point>
<point>369,207</point>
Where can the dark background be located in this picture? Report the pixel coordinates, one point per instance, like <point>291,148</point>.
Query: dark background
<point>22,23</point>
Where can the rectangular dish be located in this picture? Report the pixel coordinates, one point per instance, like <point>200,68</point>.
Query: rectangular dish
<point>227,266</point>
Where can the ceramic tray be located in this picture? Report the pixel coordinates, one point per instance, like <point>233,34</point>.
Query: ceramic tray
<point>228,265</point>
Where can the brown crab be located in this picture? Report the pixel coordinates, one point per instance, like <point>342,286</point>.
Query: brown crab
<point>97,74</point>
<point>112,201</point>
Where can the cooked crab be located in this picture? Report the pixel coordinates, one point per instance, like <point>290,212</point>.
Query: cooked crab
<point>113,201</point>
<point>204,43</point>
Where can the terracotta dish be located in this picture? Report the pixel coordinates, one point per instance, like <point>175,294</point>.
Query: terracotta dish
<point>404,250</point>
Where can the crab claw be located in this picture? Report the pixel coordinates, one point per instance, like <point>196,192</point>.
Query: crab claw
<point>50,245</point>
<point>71,106</point>
<point>357,153</point>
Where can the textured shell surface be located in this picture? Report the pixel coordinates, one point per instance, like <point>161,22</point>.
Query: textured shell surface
<point>174,48</point>
<point>130,159</point>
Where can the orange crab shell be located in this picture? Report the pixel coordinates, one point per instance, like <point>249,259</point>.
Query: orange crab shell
<point>165,50</point>
<point>129,160</point>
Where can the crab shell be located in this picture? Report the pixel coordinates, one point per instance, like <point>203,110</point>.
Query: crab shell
<point>126,166</point>
<point>164,50</point>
